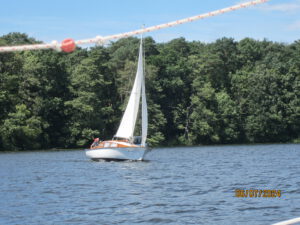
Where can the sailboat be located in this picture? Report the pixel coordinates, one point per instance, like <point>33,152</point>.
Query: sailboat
<point>124,145</point>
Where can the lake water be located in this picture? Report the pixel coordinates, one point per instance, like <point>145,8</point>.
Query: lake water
<point>194,185</point>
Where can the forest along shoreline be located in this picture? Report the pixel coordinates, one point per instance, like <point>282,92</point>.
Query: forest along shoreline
<point>224,92</point>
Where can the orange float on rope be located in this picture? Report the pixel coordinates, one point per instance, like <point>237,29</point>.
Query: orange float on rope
<point>68,45</point>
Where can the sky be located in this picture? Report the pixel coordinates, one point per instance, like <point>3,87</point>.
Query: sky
<point>276,20</point>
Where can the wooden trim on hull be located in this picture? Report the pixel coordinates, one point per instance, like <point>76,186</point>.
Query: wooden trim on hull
<point>114,144</point>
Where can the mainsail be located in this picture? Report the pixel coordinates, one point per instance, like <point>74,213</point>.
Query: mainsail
<point>126,128</point>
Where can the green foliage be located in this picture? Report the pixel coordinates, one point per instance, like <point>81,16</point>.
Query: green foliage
<point>16,38</point>
<point>22,130</point>
<point>198,93</point>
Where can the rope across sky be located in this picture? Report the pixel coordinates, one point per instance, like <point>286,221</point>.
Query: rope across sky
<point>68,45</point>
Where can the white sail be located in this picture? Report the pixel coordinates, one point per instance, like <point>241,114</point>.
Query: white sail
<point>144,114</point>
<point>128,121</point>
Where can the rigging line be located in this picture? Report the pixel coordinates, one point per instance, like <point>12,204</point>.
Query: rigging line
<point>69,45</point>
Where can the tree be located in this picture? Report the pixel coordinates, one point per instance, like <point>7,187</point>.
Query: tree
<point>21,130</point>
<point>91,105</point>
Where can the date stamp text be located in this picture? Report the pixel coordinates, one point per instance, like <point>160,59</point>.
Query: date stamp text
<point>252,193</point>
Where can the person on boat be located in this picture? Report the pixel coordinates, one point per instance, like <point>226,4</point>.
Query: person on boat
<point>96,142</point>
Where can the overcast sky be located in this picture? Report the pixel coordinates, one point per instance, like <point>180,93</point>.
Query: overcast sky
<point>276,20</point>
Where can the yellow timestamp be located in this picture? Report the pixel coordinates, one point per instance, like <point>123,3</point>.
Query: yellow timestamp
<point>252,193</point>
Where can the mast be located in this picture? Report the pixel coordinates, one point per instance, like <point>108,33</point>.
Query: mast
<point>144,106</point>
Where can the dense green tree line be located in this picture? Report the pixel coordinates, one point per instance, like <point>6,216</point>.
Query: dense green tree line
<point>198,93</point>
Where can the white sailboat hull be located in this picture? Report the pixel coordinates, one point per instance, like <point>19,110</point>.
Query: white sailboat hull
<point>117,153</point>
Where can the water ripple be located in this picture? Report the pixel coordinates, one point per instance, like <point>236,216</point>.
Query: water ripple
<point>176,186</point>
